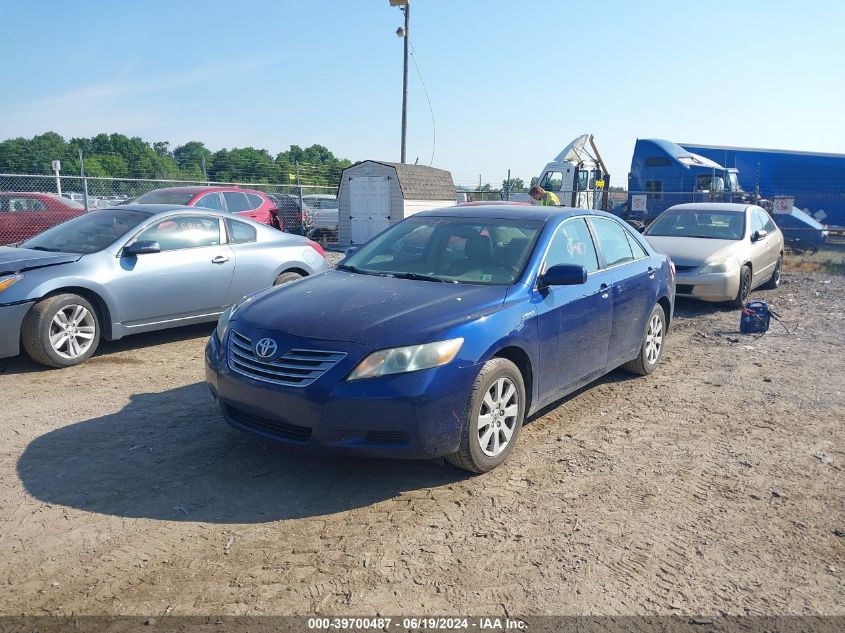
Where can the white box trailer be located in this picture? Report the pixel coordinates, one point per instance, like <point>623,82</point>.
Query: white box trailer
<point>375,194</point>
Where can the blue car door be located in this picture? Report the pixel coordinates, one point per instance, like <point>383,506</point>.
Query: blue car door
<point>573,321</point>
<point>633,275</point>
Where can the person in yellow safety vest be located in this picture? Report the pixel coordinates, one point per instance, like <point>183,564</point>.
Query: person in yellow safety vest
<point>543,198</point>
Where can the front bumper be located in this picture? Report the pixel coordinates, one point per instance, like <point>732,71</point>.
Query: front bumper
<point>11,318</point>
<point>417,415</point>
<point>712,287</point>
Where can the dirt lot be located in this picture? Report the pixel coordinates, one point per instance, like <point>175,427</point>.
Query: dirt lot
<point>714,486</point>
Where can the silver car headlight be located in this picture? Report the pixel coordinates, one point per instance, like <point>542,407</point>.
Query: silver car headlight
<point>724,265</point>
<point>8,280</point>
<point>398,360</point>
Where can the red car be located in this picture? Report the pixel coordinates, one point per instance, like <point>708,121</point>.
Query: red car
<point>246,202</point>
<point>24,214</point>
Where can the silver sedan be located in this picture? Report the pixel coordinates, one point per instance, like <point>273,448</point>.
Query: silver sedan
<point>721,251</point>
<point>136,268</point>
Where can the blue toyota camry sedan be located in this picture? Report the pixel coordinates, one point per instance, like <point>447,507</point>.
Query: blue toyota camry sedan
<point>440,335</point>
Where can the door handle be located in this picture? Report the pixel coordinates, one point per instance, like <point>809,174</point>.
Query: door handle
<point>651,272</point>
<point>604,291</point>
<point>220,260</point>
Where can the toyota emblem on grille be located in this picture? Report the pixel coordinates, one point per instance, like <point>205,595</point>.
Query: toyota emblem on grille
<point>265,348</point>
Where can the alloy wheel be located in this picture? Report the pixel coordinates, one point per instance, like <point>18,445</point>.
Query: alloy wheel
<point>654,339</point>
<point>497,417</point>
<point>72,331</point>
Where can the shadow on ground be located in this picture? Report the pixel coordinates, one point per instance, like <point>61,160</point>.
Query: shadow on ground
<point>22,364</point>
<point>170,456</point>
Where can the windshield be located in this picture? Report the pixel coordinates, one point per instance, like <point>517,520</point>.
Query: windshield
<point>715,225</point>
<point>87,233</point>
<point>163,196</point>
<point>733,182</point>
<point>483,251</point>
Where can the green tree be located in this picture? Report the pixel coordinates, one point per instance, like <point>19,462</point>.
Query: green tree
<point>514,184</point>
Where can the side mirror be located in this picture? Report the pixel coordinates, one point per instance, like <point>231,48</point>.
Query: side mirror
<point>141,247</point>
<point>759,235</point>
<point>349,251</point>
<point>563,275</point>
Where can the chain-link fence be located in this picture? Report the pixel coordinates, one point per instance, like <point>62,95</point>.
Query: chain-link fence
<point>30,204</point>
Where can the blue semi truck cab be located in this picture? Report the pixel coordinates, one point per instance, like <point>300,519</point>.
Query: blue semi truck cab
<point>664,174</point>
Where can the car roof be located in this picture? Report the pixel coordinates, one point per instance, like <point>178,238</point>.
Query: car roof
<point>508,212</point>
<point>34,194</point>
<point>153,209</point>
<point>710,206</point>
<point>204,189</point>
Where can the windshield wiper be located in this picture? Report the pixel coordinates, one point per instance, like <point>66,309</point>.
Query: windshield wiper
<point>419,277</point>
<point>355,269</point>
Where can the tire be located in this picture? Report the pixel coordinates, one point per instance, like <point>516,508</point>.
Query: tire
<point>744,288</point>
<point>651,348</point>
<point>498,383</point>
<point>287,277</point>
<point>61,331</point>
<point>774,280</point>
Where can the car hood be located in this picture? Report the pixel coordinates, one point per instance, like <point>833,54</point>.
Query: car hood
<point>693,251</point>
<point>378,312</point>
<point>16,260</point>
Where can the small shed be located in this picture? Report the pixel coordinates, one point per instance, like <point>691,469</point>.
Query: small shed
<point>375,194</point>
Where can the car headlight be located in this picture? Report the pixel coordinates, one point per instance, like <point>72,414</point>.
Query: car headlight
<point>724,265</point>
<point>7,281</point>
<point>398,360</point>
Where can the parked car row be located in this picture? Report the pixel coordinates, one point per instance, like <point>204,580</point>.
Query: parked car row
<point>437,338</point>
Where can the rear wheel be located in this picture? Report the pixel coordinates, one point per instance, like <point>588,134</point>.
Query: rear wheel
<point>61,331</point>
<point>286,278</point>
<point>492,418</point>
<point>774,280</point>
<point>651,348</point>
<point>744,288</point>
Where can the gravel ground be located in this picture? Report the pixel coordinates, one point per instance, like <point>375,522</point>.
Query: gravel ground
<point>713,486</point>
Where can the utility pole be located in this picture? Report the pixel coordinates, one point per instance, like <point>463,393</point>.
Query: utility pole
<point>407,10</point>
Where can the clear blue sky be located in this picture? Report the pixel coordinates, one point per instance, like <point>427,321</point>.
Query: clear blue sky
<point>511,83</point>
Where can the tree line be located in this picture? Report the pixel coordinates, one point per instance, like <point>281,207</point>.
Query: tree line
<point>120,156</point>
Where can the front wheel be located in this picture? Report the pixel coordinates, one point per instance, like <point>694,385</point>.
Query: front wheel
<point>651,348</point>
<point>774,280</point>
<point>744,288</point>
<point>493,417</point>
<point>61,331</point>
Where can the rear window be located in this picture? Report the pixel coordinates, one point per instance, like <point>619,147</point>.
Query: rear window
<point>241,232</point>
<point>163,196</point>
<point>236,201</point>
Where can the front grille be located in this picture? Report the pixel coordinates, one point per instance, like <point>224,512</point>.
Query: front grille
<point>683,289</point>
<point>386,437</point>
<point>295,368</point>
<point>273,427</point>
<point>684,269</point>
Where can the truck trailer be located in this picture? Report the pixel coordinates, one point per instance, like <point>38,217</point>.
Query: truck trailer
<point>815,180</point>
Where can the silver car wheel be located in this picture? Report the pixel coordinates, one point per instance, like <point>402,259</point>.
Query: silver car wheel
<point>72,331</point>
<point>497,417</point>
<point>654,339</point>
